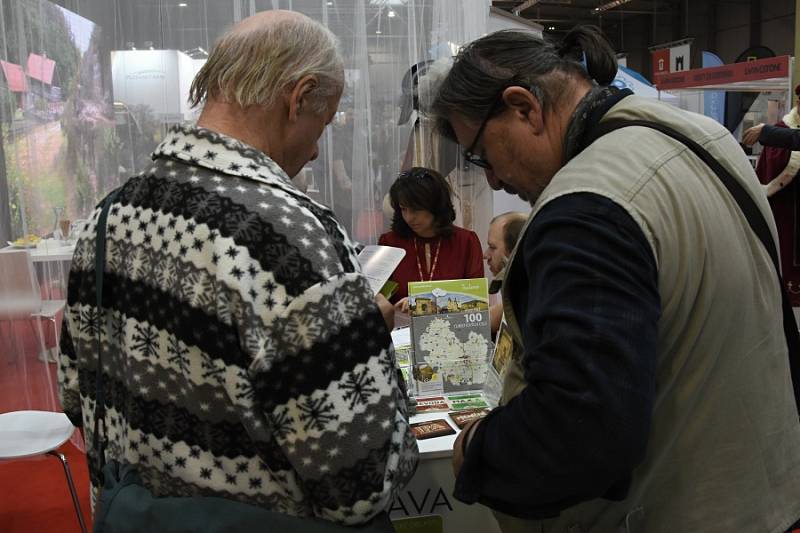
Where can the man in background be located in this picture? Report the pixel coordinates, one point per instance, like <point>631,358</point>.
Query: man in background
<point>504,232</point>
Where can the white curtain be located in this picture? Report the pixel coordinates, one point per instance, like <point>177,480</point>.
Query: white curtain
<point>89,87</point>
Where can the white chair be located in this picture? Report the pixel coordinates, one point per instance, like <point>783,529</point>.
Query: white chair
<point>21,299</point>
<point>30,433</point>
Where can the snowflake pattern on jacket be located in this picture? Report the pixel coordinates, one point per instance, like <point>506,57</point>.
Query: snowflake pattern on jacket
<point>243,354</point>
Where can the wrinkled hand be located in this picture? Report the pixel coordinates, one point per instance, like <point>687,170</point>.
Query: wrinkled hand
<point>751,136</point>
<point>387,310</point>
<point>402,306</point>
<point>458,445</point>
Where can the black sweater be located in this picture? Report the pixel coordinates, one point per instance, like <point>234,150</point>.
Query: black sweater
<point>589,324</point>
<point>780,137</point>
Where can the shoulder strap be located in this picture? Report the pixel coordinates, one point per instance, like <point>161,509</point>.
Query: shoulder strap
<point>754,218</point>
<point>99,269</point>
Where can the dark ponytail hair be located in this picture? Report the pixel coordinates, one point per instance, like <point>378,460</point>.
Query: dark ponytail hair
<point>589,43</point>
<point>489,65</point>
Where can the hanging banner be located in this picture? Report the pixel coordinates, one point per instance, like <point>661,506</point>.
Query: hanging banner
<point>762,69</point>
<point>713,101</point>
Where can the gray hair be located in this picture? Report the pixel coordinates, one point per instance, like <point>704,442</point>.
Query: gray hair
<point>430,82</point>
<point>489,65</point>
<point>253,66</point>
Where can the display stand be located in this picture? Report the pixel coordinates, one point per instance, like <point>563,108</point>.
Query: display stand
<point>430,492</point>
<point>426,504</point>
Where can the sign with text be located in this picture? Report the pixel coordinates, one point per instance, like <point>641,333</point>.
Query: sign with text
<point>426,504</point>
<point>762,69</point>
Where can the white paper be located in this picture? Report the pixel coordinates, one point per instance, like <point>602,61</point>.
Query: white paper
<point>378,263</point>
<point>401,337</point>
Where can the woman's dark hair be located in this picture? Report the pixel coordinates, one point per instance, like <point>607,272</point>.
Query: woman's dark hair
<point>422,188</point>
<point>487,66</point>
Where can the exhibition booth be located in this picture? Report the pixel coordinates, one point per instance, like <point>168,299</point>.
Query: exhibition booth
<point>87,94</point>
<point>741,94</point>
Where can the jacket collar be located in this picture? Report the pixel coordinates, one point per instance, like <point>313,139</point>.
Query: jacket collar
<point>587,115</point>
<point>215,151</point>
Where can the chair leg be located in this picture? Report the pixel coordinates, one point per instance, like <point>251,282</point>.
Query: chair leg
<point>14,355</point>
<point>57,348</point>
<point>5,344</point>
<point>37,331</point>
<point>75,502</point>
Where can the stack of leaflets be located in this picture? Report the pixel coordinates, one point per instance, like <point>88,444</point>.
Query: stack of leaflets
<point>442,404</point>
<point>451,335</point>
<point>503,351</point>
<point>401,338</point>
<point>467,401</point>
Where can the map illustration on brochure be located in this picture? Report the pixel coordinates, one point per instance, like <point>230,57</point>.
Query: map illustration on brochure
<point>451,334</point>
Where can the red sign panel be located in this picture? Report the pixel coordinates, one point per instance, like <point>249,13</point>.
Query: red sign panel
<point>15,77</point>
<point>762,69</point>
<point>660,62</point>
<point>41,68</point>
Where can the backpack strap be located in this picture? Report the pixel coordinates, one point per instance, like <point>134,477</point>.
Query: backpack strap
<point>99,269</point>
<point>751,212</point>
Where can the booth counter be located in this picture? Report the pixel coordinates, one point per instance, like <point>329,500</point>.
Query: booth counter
<point>426,504</point>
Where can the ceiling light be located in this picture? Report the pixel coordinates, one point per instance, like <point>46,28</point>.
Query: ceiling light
<point>392,14</point>
<point>182,4</point>
<point>330,3</point>
<point>377,32</point>
<point>609,5</point>
<point>551,28</point>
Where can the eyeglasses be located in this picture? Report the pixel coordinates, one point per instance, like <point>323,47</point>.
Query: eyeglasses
<point>470,156</point>
<point>479,161</point>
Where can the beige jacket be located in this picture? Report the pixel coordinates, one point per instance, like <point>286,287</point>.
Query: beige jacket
<point>724,447</point>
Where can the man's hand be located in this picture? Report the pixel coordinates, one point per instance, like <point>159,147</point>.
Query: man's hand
<point>751,136</point>
<point>459,446</point>
<point>387,310</point>
<point>402,306</point>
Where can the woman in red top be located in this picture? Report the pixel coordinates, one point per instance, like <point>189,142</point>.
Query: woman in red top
<point>423,226</point>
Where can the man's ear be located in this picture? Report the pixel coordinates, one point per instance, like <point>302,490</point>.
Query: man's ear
<point>526,106</point>
<point>299,95</point>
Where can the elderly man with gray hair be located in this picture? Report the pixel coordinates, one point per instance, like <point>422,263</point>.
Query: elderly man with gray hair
<point>247,357</point>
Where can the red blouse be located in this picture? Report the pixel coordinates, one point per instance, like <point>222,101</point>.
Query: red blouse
<point>460,257</point>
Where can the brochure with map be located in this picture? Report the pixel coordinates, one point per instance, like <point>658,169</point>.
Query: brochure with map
<point>450,334</point>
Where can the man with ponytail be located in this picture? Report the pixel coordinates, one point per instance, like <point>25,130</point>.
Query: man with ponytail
<point>650,388</point>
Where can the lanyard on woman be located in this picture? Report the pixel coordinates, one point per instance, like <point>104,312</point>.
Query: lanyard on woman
<point>435,260</point>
